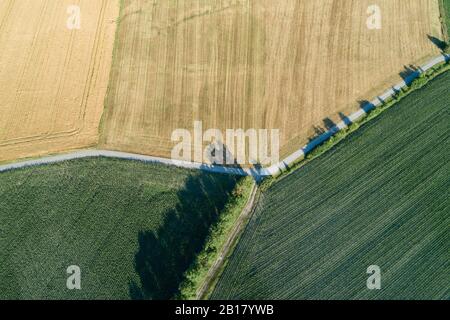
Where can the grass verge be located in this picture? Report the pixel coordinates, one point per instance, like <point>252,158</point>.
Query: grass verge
<point>218,236</point>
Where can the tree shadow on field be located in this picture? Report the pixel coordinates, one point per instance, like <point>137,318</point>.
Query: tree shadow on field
<point>164,255</point>
<point>440,44</point>
<point>230,163</point>
<point>410,73</point>
<point>367,106</point>
<point>328,123</point>
<point>319,131</point>
<point>345,119</point>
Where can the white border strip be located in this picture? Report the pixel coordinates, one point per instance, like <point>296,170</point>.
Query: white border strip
<point>256,173</point>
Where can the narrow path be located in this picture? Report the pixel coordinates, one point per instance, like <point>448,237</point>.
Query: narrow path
<point>93,153</point>
<point>214,271</point>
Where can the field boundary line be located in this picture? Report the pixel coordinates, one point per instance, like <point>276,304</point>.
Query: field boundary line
<point>257,173</point>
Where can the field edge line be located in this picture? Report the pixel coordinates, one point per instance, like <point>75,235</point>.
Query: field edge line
<point>200,280</point>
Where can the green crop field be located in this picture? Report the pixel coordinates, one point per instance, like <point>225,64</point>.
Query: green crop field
<point>381,197</point>
<point>132,228</point>
<point>447,15</point>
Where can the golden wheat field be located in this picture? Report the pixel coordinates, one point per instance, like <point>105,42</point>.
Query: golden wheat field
<point>53,78</point>
<point>287,65</point>
<point>292,65</point>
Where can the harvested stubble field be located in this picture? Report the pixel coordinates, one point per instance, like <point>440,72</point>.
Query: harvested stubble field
<point>53,79</point>
<point>132,228</point>
<point>256,64</point>
<point>381,197</point>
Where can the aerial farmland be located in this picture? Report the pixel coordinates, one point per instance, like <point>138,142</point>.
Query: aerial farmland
<point>133,135</point>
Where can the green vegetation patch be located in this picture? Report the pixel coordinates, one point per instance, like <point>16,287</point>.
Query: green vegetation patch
<point>380,197</point>
<point>446,15</point>
<point>196,275</point>
<point>132,228</point>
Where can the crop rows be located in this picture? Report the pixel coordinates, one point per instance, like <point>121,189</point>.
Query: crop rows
<point>132,228</point>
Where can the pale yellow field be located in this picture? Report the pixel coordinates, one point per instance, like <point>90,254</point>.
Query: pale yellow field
<point>255,64</point>
<point>53,80</point>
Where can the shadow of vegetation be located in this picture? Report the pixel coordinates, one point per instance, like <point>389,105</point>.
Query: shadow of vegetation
<point>328,124</point>
<point>222,150</point>
<point>440,44</point>
<point>345,119</point>
<point>164,256</point>
<point>317,132</point>
<point>409,74</point>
